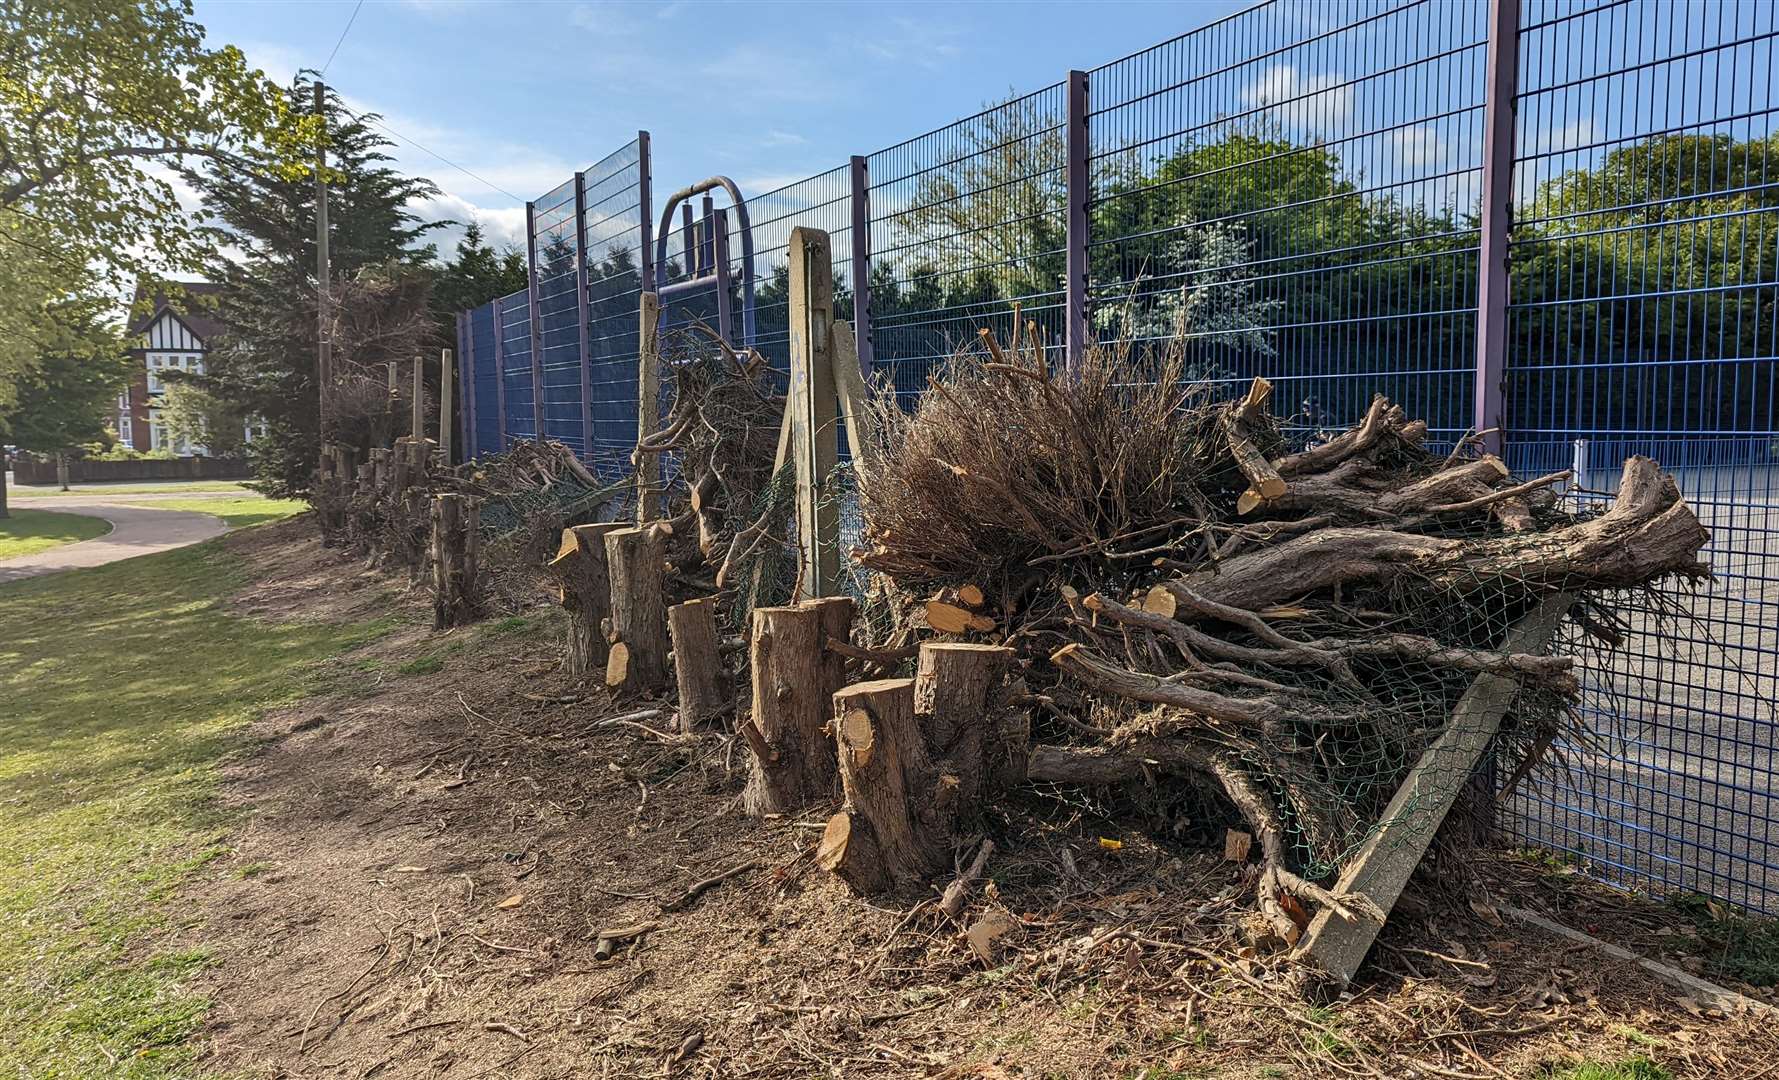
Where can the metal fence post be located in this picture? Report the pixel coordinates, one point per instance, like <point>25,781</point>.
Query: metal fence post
<point>1075,180</point>
<point>581,312</point>
<point>861,262</point>
<point>1501,80</point>
<point>531,308</point>
<point>646,210</point>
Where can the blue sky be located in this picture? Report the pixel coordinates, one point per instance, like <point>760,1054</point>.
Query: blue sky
<point>524,93</point>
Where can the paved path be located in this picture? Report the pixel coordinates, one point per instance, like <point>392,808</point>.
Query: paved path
<point>134,531</point>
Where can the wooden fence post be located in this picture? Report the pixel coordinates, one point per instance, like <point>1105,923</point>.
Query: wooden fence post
<point>814,434</point>
<point>447,404</point>
<point>648,409</point>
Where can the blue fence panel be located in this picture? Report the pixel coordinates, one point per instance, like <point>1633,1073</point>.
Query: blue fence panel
<point>520,418</point>
<point>482,398</point>
<point>612,227</point>
<point>1312,185</point>
<point>966,221</point>
<point>1645,320</point>
<point>556,256</point>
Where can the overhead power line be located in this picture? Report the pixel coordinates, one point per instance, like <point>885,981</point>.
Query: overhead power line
<point>349,21</point>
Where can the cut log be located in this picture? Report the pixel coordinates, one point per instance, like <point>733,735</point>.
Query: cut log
<point>456,543</point>
<point>793,760</point>
<point>638,607</point>
<point>617,664</point>
<point>584,581</point>
<point>883,768</point>
<point>971,595</point>
<point>948,618</point>
<point>1649,532</point>
<point>704,687</point>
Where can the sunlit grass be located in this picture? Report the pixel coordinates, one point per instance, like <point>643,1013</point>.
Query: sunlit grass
<point>123,687</point>
<point>146,487</point>
<point>27,532</point>
<point>238,511</point>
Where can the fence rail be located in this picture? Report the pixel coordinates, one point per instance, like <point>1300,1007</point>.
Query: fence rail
<point>1555,217</point>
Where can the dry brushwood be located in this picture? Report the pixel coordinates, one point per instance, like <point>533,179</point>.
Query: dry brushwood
<point>1292,629</point>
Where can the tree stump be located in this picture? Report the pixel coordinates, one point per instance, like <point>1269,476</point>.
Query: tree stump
<point>584,580</point>
<point>637,660</point>
<point>877,840</point>
<point>953,684</point>
<point>913,756</point>
<point>793,757</point>
<point>704,688</point>
<point>456,587</point>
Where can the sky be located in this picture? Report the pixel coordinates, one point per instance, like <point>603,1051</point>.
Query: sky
<point>522,94</point>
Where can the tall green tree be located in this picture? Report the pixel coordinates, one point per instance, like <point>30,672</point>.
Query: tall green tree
<point>70,395</point>
<point>475,274</point>
<point>264,364</point>
<point>102,104</point>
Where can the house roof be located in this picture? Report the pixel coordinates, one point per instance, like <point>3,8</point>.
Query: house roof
<point>199,317</point>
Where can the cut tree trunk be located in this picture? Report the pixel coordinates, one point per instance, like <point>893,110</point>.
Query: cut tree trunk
<point>793,687</point>
<point>637,662</point>
<point>913,766</point>
<point>456,585</point>
<point>584,590</point>
<point>876,840</point>
<point>704,687</point>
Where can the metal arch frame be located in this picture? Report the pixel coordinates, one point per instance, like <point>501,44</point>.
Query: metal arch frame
<point>720,275</point>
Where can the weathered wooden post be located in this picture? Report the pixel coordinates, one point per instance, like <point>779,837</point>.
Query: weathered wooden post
<point>456,587</point>
<point>582,574</point>
<point>417,418</point>
<point>637,660</point>
<point>704,688</point>
<point>447,405</point>
<point>649,496</point>
<point>815,438</point>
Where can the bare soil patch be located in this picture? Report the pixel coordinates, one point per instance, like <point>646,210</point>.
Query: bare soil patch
<point>429,859</point>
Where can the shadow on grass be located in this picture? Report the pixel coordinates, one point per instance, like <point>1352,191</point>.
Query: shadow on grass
<point>124,687</point>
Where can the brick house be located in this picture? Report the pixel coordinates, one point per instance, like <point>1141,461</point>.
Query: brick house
<point>168,335</point>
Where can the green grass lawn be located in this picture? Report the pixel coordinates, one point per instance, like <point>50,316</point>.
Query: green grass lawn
<point>146,487</point>
<point>124,688</point>
<point>26,532</point>
<point>240,510</point>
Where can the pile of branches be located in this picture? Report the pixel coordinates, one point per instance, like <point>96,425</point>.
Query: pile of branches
<point>725,502</point>
<point>1188,594</point>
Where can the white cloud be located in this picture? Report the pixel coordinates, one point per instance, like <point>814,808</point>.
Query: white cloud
<point>782,138</point>
<point>1315,104</point>
<point>1416,146</point>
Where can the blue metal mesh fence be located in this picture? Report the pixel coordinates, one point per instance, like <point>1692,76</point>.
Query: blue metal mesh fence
<point>1306,191</point>
<point>614,202</point>
<point>482,388</point>
<point>556,259</point>
<point>965,221</point>
<point>519,413</point>
<point>1645,283</point>
<point>1311,184</point>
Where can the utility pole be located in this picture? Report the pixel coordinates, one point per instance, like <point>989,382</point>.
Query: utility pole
<point>324,358</point>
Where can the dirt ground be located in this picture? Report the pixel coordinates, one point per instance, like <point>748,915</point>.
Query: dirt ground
<point>433,846</point>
